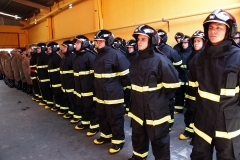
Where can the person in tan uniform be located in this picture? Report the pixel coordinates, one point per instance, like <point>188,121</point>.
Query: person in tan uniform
<point>8,69</point>
<point>1,66</point>
<point>22,77</point>
<point>15,55</point>
<point>26,70</point>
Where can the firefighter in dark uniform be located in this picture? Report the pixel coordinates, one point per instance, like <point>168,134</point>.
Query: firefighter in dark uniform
<point>185,51</point>
<point>198,41</point>
<point>175,58</point>
<point>67,77</point>
<point>111,72</point>
<point>153,77</point>
<point>214,74</point>
<point>84,79</point>
<point>33,73</point>
<point>178,36</point>
<point>132,53</point>
<point>54,75</point>
<point>120,44</point>
<point>43,77</point>
<point>237,38</point>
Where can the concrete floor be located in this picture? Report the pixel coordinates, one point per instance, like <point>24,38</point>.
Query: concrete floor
<point>40,134</point>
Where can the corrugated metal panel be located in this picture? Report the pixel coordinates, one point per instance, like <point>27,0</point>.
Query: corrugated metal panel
<point>9,22</point>
<point>9,40</point>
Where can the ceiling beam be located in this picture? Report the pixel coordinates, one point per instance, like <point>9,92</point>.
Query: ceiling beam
<point>32,4</point>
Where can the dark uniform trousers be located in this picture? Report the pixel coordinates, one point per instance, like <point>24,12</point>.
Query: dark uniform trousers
<point>46,91</point>
<point>111,120</point>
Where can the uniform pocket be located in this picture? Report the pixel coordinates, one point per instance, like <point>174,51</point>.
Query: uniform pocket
<point>232,120</point>
<point>232,79</point>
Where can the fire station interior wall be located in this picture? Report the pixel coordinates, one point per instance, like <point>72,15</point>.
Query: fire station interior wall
<point>38,33</point>
<point>122,17</point>
<point>12,37</point>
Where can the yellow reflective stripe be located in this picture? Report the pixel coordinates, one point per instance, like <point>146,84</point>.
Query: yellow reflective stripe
<point>31,66</point>
<point>171,121</point>
<point>57,105</point>
<point>146,88</point>
<point>159,121</point>
<point>48,102</point>
<point>209,96</point>
<point>178,107</point>
<point>33,77</point>
<point>44,66</point>
<point>123,72</point>
<point>77,94</point>
<point>227,135</point>
<point>189,129</point>
<point>127,109</point>
<point>63,89</point>
<point>69,90</point>
<point>141,155</point>
<point>64,108</point>
<point>85,122</point>
<point>54,70</point>
<point>70,112</point>
<point>76,74</point>
<point>177,63</point>
<point>229,92</point>
<point>117,101</point>
<point>171,85</point>
<point>193,84</point>
<point>117,141</point>
<point>82,73</point>
<point>137,119</point>
<point>111,75</point>
<point>66,72</point>
<point>201,134</point>
<point>56,85</point>
<point>127,87</point>
<point>86,94</point>
<point>183,66</point>
<point>94,126</point>
<point>190,97</point>
<point>40,96</point>
<point>105,136</point>
<point>44,80</point>
<point>77,116</point>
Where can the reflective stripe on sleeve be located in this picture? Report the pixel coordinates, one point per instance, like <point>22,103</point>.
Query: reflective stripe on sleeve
<point>183,66</point>
<point>227,135</point>
<point>193,84</point>
<point>33,77</point>
<point>177,63</point>
<point>229,92</point>
<point>159,121</point>
<point>171,85</point>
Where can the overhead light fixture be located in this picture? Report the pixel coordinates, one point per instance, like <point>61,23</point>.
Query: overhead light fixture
<point>70,6</point>
<point>35,21</point>
<point>9,15</point>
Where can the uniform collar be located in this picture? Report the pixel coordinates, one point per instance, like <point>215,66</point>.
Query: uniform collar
<point>223,49</point>
<point>146,53</point>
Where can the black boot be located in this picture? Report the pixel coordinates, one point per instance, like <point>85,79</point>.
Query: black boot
<point>1,76</point>
<point>19,87</point>
<point>29,91</point>
<point>10,83</point>
<point>24,87</point>
<point>13,83</point>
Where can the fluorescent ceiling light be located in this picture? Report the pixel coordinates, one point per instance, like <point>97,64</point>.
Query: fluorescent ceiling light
<point>14,16</point>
